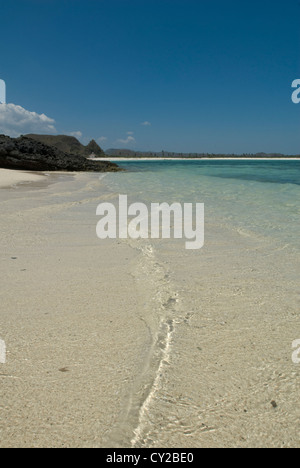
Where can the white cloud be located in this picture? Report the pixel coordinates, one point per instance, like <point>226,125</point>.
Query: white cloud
<point>129,139</point>
<point>76,134</point>
<point>130,133</point>
<point>15,120</point>
<point>146,124</point>
<point>102,139</point>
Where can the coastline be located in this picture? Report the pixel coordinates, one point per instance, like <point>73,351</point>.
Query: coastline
<point>140,343</point>
<point>193,159</point>
<point>223,375</point>
<point>149,227</point>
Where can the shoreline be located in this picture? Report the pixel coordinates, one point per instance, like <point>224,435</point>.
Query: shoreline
<point>75,342</point>
<point>100,334</point>
<point>193,159</point>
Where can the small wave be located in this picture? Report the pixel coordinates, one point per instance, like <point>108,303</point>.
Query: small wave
<point>160,317</point>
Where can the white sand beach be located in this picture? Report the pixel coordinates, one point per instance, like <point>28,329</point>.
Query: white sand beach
<point>127,344</point>
<point>69,318</point>
<point>150,301</point>
<point>10,178</point>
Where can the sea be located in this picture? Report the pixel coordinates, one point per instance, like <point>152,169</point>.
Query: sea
<point>256,197</point>
<point>222,319</point>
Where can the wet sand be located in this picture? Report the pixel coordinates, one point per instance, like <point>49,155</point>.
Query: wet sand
<point>137,343</point>
<point>228,379</point>
<point>69,317</point>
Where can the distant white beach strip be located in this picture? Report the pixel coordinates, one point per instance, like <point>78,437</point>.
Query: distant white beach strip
<point>194,159</point>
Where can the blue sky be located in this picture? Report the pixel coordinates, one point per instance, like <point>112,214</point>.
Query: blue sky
<point>208,75</point>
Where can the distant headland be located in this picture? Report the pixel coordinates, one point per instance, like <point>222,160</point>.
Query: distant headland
<point>69,145</point>
<point>125,153</point>
<point>44,153</point>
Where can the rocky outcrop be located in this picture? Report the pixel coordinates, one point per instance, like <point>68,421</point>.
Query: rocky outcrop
<point>27,154</point>
<point>69,145</point>
<point>94,148</point>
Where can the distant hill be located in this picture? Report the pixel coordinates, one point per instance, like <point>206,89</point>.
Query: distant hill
<point>69,145</point>
<point>125,153</point>
<point>25,153</point>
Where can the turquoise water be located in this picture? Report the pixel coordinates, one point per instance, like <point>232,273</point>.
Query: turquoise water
<point>221,319</point>
<point>259,198</point>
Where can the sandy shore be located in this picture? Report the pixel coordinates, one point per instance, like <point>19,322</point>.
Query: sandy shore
<point>11,178</point>
<point>140,344</point>
<point>69,318</point>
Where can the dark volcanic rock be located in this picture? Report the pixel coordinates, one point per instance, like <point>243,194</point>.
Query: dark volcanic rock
<point>69,144</point>
<point>26,154</point>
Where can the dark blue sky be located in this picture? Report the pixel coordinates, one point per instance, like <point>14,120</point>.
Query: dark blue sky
<point>210,76</point>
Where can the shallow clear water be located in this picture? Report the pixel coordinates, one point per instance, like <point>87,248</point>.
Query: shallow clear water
<point>255,197</point>
<point>222,319</point>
